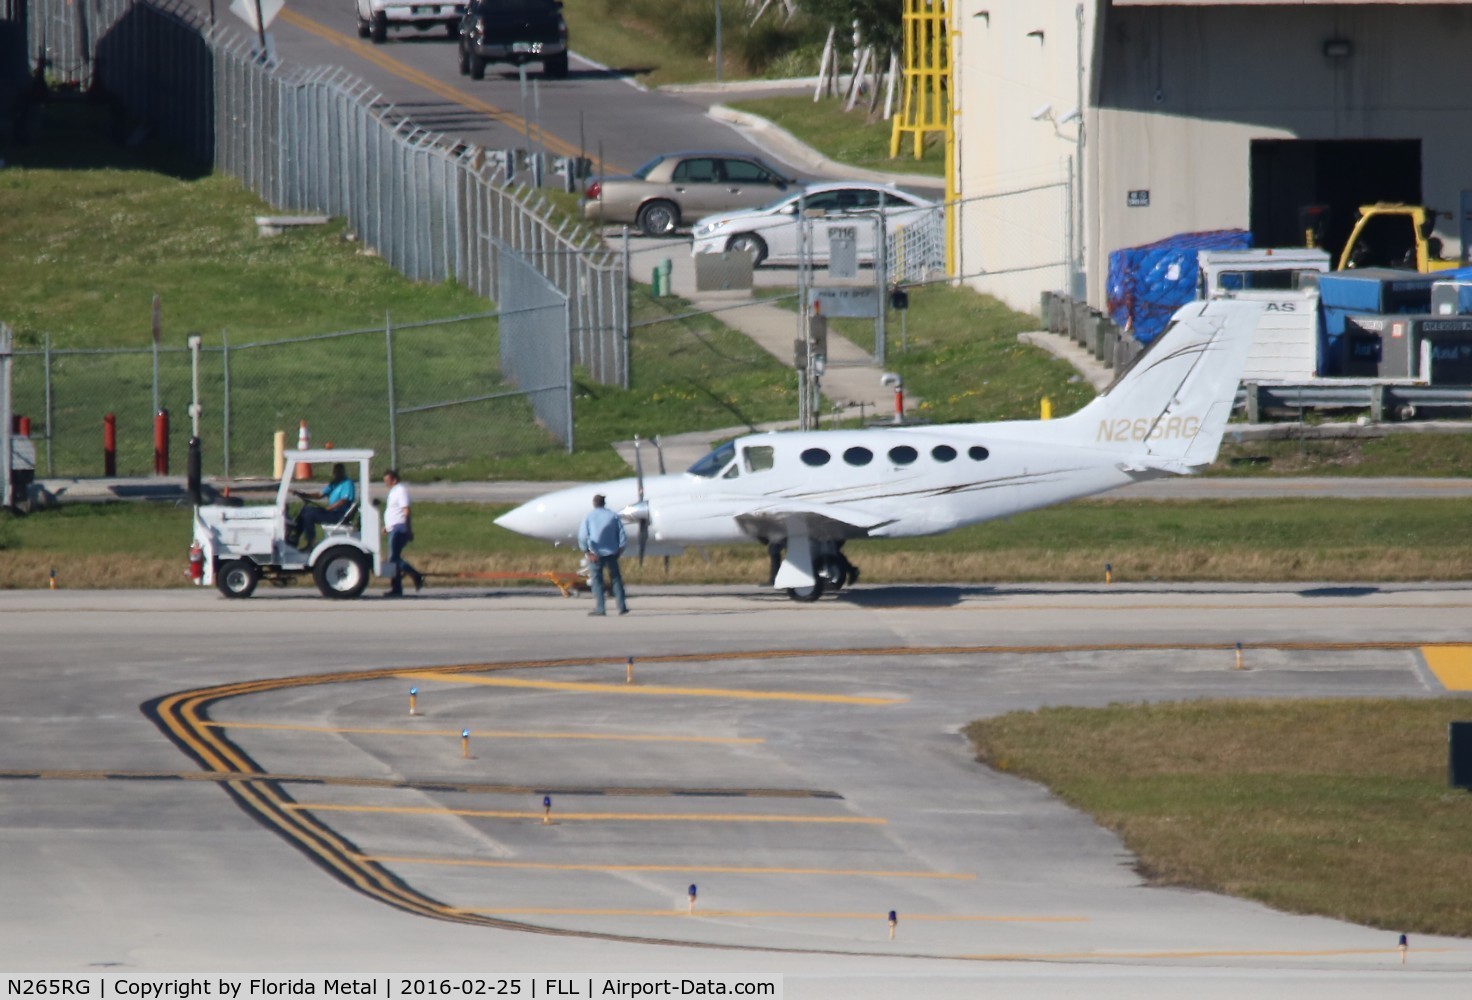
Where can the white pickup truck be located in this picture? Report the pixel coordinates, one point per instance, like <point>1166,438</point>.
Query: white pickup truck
<point>375,17</point>
<point>235,547</point>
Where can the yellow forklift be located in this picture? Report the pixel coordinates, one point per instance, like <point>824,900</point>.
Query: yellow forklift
<point>1390,234</point>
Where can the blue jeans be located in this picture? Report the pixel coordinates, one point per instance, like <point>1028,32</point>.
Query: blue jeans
<point>397,539</point>
<point>615,580</point>
<point>311,516</point>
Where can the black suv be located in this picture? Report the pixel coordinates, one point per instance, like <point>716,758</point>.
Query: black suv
<point>516,32</point>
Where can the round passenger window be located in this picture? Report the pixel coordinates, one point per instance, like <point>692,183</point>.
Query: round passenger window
<point>903,455</point>
<point>858,456</point>
<point>943,453</point>
<point>977,452</point>
<point>815,457</point>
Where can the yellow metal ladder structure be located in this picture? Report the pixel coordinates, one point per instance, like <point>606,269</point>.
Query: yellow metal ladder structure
<point>926,100</point>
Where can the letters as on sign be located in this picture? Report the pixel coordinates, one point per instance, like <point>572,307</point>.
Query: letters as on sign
<point>1139,429</point>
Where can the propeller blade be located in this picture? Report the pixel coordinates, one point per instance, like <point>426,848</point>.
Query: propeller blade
<point>659,451</point>
<point>643,538</point>
<point>639,467</point>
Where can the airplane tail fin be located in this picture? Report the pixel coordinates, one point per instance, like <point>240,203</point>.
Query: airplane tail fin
<point>1169,409</point>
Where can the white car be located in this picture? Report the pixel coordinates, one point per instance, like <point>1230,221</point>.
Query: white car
<point>770,233</point>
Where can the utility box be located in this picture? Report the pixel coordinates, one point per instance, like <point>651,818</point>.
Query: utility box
<point>1444,346</point>
<point>1378,347</point>
<point>1459,754</point>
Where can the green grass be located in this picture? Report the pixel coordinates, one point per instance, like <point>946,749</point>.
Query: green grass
<point>1338,808</point>
<point>851,137</point>
<point>660,42</point>
<point>961,360</point>
<point>1406,454</point>
<point>1292,540</point>
<point>89,241</point>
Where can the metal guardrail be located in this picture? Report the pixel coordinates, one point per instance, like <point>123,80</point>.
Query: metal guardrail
<point>1383,400</point>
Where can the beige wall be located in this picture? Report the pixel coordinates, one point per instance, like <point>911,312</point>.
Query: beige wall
<point>1181,92</point>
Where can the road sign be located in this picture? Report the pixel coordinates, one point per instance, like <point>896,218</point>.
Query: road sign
<point>852,303</point>
<point>843,251</point>
<point>246,10</point>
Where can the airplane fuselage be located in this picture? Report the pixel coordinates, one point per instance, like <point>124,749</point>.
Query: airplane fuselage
<point>897,482</point>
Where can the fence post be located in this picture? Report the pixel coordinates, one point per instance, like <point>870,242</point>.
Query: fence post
<point>5,404</point>
<point>225,362</point>
<point>46,358</point>
<point>623,319</point>
<point>393,438</point>
<point>567,369</point>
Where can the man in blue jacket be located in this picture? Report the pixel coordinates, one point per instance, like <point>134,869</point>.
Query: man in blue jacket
<point>338,500</point>
<point>603,539</point>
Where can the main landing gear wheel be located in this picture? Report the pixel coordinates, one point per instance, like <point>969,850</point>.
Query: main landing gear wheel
<point>364,28</point>
<point>807,595</point>
<point>379,32</point>
<point>341,573</point>
<point>237,578</point>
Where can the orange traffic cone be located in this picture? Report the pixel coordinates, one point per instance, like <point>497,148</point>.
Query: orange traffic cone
<point>303,442</point>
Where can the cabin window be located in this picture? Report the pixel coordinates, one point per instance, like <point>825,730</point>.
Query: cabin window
<point>732,472</point>
<point>711,465</point>
<point>758,457</point>
<point>815,457</point>
<point>978,453</point>
<point>943,453</point>
<point>858,456</point>
<point>903,455</point>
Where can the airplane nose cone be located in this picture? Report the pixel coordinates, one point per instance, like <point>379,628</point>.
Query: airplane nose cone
<point>522,520</point>
<point>551,517</point>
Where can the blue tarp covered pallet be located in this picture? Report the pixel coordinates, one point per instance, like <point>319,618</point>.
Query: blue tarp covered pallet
<point>1148,284</point>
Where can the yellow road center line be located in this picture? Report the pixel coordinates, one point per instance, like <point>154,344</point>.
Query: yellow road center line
<point>1452,665</point>
<point>565,817</point>
<point>485,734</point>
<point>720,869</point>
<point>549,911</point>
<point>414,76</point>
<point>653,689</point>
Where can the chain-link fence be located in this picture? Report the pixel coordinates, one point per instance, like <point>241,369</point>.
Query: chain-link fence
<point>423,395</point>
<point>1016,243</point>
<point>321,140</point>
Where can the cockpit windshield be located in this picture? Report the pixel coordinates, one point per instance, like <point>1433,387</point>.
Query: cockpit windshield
<point>711,465</point>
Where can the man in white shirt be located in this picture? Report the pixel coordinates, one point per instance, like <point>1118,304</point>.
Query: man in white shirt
<point>399,528</point>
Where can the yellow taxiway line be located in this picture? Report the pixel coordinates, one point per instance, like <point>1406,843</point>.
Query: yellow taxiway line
<point>552,911</point>
<point>494,734</point>
<point>718,869</point>
<point>566,817</point>
<point>1452,665</point>
<point>653,689</point>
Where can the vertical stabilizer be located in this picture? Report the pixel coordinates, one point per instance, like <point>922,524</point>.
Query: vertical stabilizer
<point>1169,409</point>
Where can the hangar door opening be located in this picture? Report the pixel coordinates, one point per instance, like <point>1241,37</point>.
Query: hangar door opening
<point>1320,184</point>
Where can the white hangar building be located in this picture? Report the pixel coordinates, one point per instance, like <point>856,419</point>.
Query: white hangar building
<point>1197,115</point>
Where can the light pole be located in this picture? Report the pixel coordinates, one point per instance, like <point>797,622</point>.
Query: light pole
<point>718,40</point>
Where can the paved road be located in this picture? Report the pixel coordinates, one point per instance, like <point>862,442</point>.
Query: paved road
<point>595,108</point>
<point>801,764</point>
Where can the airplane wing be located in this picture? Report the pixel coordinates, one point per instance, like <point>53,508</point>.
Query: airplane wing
<point>821,522</point>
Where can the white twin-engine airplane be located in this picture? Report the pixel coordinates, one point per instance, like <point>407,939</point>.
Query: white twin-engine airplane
<point>814,490</point>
